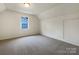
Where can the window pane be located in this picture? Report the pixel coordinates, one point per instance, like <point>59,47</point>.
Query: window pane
<point>24,22</point>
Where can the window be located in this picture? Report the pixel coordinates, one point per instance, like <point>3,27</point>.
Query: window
<point>24,23</point>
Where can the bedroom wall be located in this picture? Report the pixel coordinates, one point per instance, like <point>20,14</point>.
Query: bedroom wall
<point>10,25</point>
<point>52,23</point>
<point>61,22</point>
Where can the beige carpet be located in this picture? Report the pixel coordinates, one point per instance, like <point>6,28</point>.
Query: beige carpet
<point>36,45</point>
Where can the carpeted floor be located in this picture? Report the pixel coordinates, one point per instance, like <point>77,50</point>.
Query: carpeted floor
<point>36,45</point>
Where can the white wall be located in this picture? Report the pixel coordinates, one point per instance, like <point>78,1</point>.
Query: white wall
<point>71,31</point>
<point>59,21</point>
<point>52,23</point>
<point>52,28</point>
<point>10,25</point>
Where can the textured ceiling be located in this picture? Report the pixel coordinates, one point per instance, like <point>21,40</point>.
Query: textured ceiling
<point>35,8</point>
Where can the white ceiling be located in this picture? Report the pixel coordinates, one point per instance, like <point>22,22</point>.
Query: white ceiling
<point>35,8</point>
